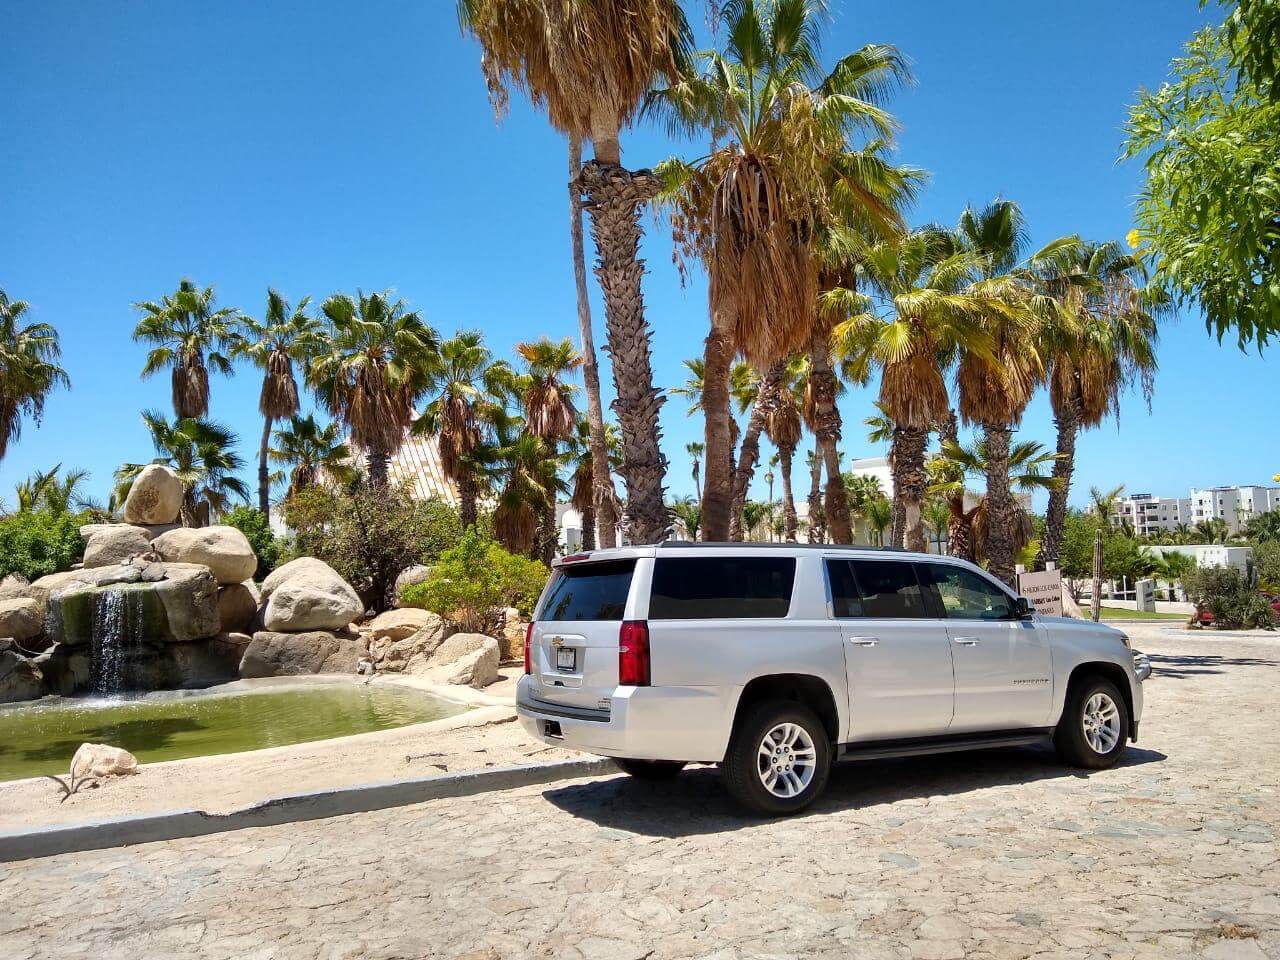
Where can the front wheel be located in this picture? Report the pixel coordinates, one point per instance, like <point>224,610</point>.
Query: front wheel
<point>778,760</point>
<point>1094,726</point>
<point>649,769</point>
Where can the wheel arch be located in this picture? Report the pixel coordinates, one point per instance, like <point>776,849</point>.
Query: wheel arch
<point>805,688</point>
<point>1112,672</point>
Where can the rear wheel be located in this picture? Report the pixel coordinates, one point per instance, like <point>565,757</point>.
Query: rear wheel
<point>779,758</point>
<point>649,769</point>
<point>1094,727</point>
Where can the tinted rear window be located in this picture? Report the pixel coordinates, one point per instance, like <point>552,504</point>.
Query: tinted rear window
<point>881,589</point>
<point>589,591</point>
<point>705,588</point>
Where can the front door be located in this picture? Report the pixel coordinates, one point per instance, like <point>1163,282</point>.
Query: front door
<point>897,656</point>
<point>1003,667</point>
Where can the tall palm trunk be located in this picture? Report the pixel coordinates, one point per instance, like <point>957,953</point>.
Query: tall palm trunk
<point>785,453</point>
<point>910,482</point>
<point>614,197</point>
<point>827,426</point>
<point>817,517</point>
<point>377,462</point>
<point>1068,423</point>
<point>697,482</point>
<point>749,454</point>
<point>718,470</point>
<point>602,479</point>
<point>547,537</point>
<point>960,530</point>
<point>999,503</point>
<point>589,527</point>
<point>264,476</point>
<point>467,500</point>
<point>898,514</point>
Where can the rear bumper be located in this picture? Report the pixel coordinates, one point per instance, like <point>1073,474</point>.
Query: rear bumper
<point>643,723</point>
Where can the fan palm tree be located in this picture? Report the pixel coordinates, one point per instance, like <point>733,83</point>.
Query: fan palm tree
<point>1212,530</point>
<point>29,370</point>
<point>749,211</point>
<point>1104,339</point>
<point>937,517</point>
<point>311,452</point>
<point>376,361</point>
<point>469,387</point>
<point>784,427</point>
<point>689,513</point>
<point>581,457</point>
<point>525,472</point>
<point>817,521</point>
<point>547,398</point>
<point>766,400</point>
<point>190,337</point>
<point>695,451</point>
<point>590,65</point>
<point>920,312</point>
<point>879,516</point>
<point>283,337</point>
<point>202,454</point>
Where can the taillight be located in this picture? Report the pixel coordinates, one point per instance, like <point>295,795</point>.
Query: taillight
<point>528,648</point>
<point>633,654</point>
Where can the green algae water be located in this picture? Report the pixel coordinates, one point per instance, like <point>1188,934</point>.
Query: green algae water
<point>41,738</point>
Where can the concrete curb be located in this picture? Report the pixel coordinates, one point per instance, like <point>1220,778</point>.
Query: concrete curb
<point>291,808</point>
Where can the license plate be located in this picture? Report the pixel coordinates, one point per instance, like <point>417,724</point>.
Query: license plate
<point>566,659</point>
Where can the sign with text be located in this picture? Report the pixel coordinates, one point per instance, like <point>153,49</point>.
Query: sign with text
<point>1044,590</point>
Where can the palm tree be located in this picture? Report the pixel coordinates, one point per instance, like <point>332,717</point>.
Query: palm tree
<point>190,337</point>
<point>376,360</point>
<point>817,521</point>
<point>784,428</point>
<point>581,457</point>
<point>525,472</point>
<point>1103,339</point>
<point>695,451</point>
<point>284,336</point>
<point>766,400</point>
<point>54,491</point>
<point>1173,567</point>
<point>548,413</point>
<point>749,211</point>
<point>937,517</point>
<point>590,65</point>
<point>202,454</point>
<point>604,506</point>
<point>312,452</point>
<point>29,370</point>
<point>1103,502</point>
<point>879,517</point>
<point>469,386</point>
<point>920,313</point>
<point>1212,530</point>
<point>689,513</point>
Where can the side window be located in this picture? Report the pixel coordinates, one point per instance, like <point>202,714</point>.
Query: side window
<point>845,599</point>
<point>888,590</point>
<point>703,588</point>
<point>967,596</point>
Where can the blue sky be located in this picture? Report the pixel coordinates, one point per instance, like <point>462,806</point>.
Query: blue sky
<point>324,146</point>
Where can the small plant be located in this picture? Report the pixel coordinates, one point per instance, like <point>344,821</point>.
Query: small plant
<point>474,580</point>
<point>72,784</point>
<point>1227,594</point>
<point>257,530</point>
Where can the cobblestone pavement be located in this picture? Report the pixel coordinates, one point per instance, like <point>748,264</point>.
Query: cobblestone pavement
<point>1002,854</point>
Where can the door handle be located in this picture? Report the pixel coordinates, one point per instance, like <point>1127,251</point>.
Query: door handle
<point>967,641</point>
<point>864,641</point>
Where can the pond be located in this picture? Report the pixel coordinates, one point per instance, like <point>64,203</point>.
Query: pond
<point>41,738</point>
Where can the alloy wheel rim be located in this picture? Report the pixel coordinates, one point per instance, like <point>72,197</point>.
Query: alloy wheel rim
<point>1101,722</point>
<point>787,760</point>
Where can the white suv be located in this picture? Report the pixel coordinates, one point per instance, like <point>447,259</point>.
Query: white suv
<point>773,660</point>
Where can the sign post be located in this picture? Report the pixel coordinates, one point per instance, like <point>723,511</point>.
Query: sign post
<point>1044,590</point>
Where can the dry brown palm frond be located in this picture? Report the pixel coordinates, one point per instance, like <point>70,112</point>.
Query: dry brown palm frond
<point>1023,529</point>
<point>515,524</point>
<point>549,412</point>
<point>783,424</point>
<point>459,435</point>
<point>913,391</point>
<point>583,489</point>
<point>997,393</point>
<point>190,387</point>
<point>279,397</point>
<point>377,415</point>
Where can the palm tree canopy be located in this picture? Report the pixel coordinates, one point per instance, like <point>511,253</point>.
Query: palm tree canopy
<point>312,451</point>
<point>283,337</point>
<point>54,491</point>
<point>1028,461</point>
<point>202,454</point>
<point>29,369</point>
<point>548,403</point>
<point>191,337</point>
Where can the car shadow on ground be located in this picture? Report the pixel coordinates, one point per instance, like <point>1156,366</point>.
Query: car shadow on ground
<point>1179,667</point>
<point>696,803</point>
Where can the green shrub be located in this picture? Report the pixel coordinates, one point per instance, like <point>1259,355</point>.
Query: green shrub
<point>1227,594</point>
<point>474,580</point>
<point>36,543</point>
<point>369,535</point>
<point>1266,559</point>
<point>257,530</point>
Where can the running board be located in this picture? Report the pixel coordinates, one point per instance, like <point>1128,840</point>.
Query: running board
<point>920,746</point>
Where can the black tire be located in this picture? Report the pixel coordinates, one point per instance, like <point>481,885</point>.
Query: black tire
<point>740,771</point>
<point>649,769</point>
<point>1069,737</point>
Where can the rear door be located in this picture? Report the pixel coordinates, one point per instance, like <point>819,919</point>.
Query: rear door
<point>897,654</point>
<point>574,647</point>
<point>1003,666</point>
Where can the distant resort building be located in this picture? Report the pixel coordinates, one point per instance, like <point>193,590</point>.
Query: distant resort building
<point>1235,506</point>
<point>417,467</point>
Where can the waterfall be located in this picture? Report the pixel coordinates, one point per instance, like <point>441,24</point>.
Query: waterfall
<point>116,639</point>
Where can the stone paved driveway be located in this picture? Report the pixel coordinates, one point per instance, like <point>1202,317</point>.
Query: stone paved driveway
<point>1000,855</point>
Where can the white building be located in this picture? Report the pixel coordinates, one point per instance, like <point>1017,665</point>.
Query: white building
<point>1147,514</point>
<point>1234,505</point>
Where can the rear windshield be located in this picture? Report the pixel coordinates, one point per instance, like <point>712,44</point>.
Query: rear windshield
<point>589,591</point>
<point>707,588</point>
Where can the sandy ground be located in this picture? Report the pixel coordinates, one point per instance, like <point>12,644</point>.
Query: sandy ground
<point>486,736</point>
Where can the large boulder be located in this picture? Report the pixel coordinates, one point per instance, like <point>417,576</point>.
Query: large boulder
<point>66,670</point>
<point>161,602</point>
<point>311,597</point>
<point>20,678</point>
<point>202,663</point>
<point>224,550</point>
<point>399,624</point>
<point>418,573</point>
<point>291,569</point>
<point>109,544</point>
<point>394,651</point>
<point>511,636</point>
<point>101,760</point>
<point>21,618</point>
<point>273,654</point>
<point>237,607</point>
<point>14,586</point>
<point>466,659</point>
<point>154,497</point>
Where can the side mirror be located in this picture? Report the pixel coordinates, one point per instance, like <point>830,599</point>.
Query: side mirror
<point>1024,608</point>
